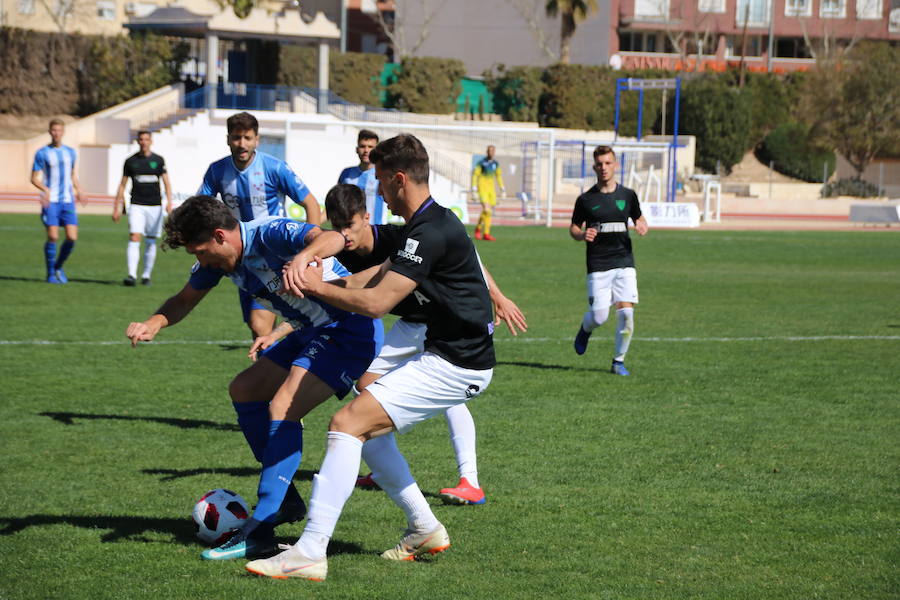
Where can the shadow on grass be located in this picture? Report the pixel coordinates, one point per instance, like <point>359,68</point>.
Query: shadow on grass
<point>68,418</point>
<point>71,280</point>
<point>172,474</point>
<point>542,366</point>
<point>128,528</point>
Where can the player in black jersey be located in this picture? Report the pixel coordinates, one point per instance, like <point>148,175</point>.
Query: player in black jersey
<point>436,262</point>
<point>145,215</point>
<point>600,219</point>
<point>368,245</point>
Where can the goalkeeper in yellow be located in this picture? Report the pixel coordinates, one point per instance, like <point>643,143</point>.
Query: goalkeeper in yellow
<point>486,170</point>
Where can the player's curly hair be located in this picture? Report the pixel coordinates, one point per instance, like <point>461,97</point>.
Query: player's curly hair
<point>194,221</point>
<point>342,202</point>
<point>403,153</point>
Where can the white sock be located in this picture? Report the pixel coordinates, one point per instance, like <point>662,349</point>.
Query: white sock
<point>332,486</point>
<point>391,472</point>
<point>624,331</point>
<point>133,254</point>
<point>149,256</point>
<point>462,436</point>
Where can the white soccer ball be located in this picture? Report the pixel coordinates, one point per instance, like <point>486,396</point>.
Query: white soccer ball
<point>217,514</point>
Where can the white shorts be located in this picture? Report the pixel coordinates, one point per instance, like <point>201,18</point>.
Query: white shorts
<point>616,285</point>
<point>145,220</point>
<point>403,341</point>
<point>426,385</point>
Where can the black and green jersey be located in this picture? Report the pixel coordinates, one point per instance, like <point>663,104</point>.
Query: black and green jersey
<point>145,173</point>
<point>609,214</point>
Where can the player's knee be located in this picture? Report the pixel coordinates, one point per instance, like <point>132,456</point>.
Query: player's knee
<point>240,389</point>
<point>599,315</point>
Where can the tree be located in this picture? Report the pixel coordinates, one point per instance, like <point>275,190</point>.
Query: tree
<point>854,103</point>
<point>394,26</point>
<point>571,12</point>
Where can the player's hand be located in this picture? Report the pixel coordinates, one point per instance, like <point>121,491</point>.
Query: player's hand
<point>139,332</point>
<point>82,198</point>
<point>590,234</point>
<point>293,275</point>
<point>260,344</point>
<point>116,215</point>
<point>44,199</point>
<point>169,207</point>
<point>641,227</point>
<point>506,310</point>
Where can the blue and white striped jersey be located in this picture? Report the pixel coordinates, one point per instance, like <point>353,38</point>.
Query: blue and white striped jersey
<point>258,190</point>
<point>365,180</point>
<point>57,164</point>
<point>270,242</point>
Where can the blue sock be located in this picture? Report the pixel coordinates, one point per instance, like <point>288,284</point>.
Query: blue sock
<point>280,462</point>
<point>64,253</point>
<point>253,418</point>
<point>50,256</point>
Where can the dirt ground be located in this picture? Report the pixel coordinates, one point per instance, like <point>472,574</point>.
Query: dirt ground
<point>22,127</point>
<point>750,170</point>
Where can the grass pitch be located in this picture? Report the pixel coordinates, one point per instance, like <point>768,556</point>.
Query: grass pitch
<point>753,453</point>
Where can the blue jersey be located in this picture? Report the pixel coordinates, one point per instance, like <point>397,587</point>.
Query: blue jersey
<point>258,190</point>
<point>365,180</point>
<point>57,164</point>
<point>269,243</point>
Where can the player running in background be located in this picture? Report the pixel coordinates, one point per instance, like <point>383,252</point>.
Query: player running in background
<point>600,219</point>
<point>436,261</point>
<point>59,188</point>
<point>486,171</point>
<point>253,184</point>
<point>328,350</point>
<point>363,177</point>
<point>145,214</point>
<point>369,245</point>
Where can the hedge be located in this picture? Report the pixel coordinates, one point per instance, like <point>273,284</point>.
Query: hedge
<point>788,147</point>
<point>719,117</point>
<point>427,85</point>
<point>353,76</point>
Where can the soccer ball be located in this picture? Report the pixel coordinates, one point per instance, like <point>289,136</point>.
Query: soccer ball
<point>217,514</point>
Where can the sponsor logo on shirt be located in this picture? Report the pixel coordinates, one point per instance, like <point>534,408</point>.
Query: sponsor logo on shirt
<point>292,226</point>
<point>615,227</point>
<point>409,252</point>
<point>146,178</point>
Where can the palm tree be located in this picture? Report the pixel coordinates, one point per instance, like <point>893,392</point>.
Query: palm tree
<point>571,12</point>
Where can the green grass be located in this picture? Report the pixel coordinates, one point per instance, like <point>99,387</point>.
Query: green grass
<point>736,462</point>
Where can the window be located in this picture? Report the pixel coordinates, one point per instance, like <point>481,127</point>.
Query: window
<point>711,6</point>
<point>26,7</point>
<point>755,12</point>
<point>868,9</point>
<point>637,41</point>
<point>791,48</point>
<point>894,18</point>
<point>798,8</point>
<point>106,10</point>
<point>733,45</point>
<point>651,9</point>
<point>832,9</point>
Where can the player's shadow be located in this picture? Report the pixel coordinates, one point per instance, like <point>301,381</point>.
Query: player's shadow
<point>71,280</point>
<point>119,528</point>
<point>541,366</point>
<point>173,474</point>
<point>68,418</point>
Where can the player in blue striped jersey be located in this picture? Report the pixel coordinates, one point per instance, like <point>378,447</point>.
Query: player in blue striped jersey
<point>363,177</point>
<point>327,351</point>
<point>54,175</point>
<point>253,184</point>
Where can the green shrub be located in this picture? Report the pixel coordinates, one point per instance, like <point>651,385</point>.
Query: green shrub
<point>850,186</point>
<point>578,97</point>
<point>770,100</point>
<point>118,68</point>
<point>427,85</point>
<point>516,91</point>
<point>353,76</point>
<point>719,117</point>
<point>790,149</point>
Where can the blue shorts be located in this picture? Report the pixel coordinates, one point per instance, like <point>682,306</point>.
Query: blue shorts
<point>59,213</point>
<point>248,303</point>
<point>338,354</point>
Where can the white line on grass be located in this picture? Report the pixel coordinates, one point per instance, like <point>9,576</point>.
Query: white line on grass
<point>775,338</point>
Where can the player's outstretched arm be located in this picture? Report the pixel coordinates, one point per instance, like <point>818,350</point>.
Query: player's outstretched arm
<point>313,212</point>
<point>374,300</point>
<point>173,310</point>
<point>318,242</point>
